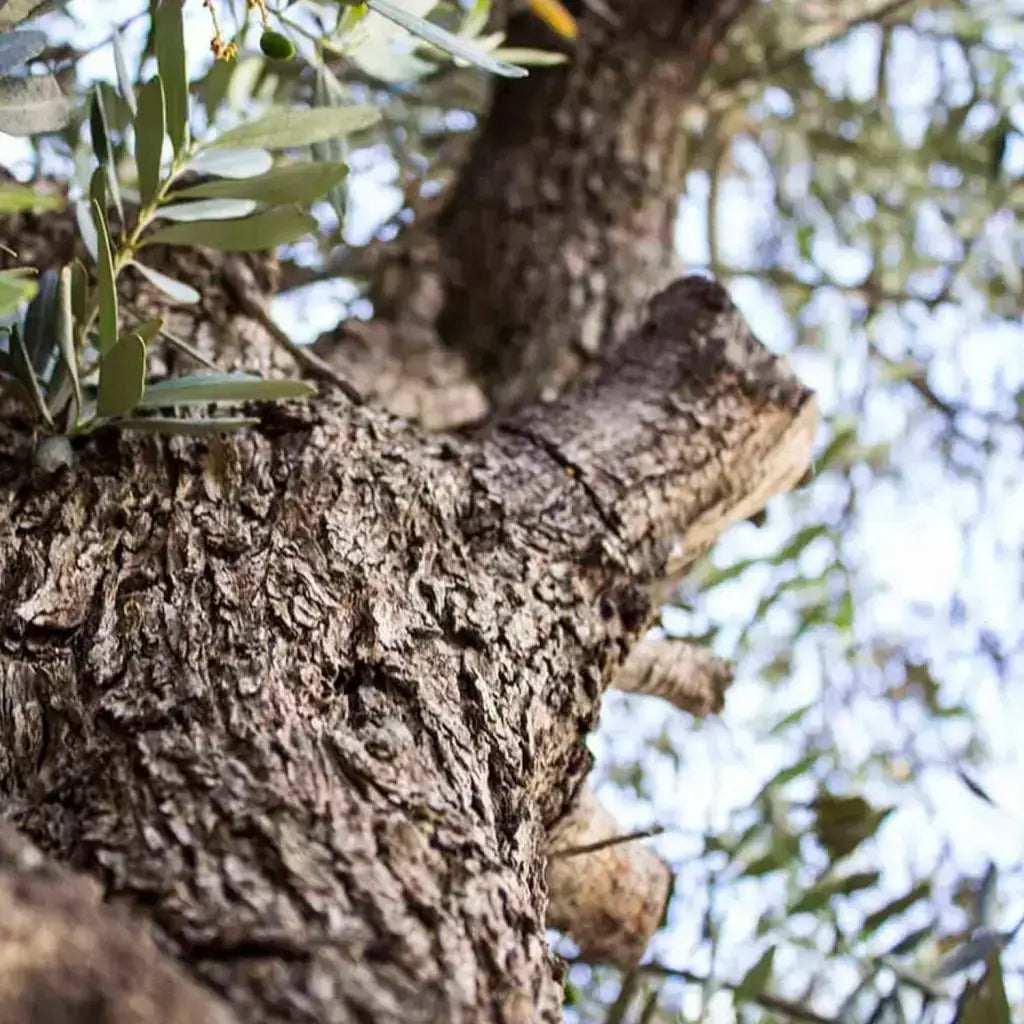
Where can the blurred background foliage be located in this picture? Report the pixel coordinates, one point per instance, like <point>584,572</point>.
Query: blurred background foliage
<point>848,834</point>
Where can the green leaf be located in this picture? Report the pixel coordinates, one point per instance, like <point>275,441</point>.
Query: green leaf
<point>437,36</point>
<point>98,188</point>
<point>844,822</point>
<point>32,105</point>
<point>176,290</point>
<point>187,427</point>
<point>15,198</point>
<point>301,184</point>
<point>755,981</point>
<point>87,229</point>
<point>41,323</point>
<point>98,134</point>
<point>285,128</point>
<point>877,918</point>
<point>122,377</point>
<point>16,286</point>
<point>974,786</point>
<point>21,366</point>
<point>79,290</point>
<point>202,388</point>
<point>65,328</point>
<point>124,76</point>
<point>170,60</point>
<point>821,894</point>
<point>106,283</point>
<point>984,1001</point>
<point>150,127</point>
<point>525,57</point>
<point>264,231</point>
<point>148,329</point>
<point>207,209</point>
<point>18,47</point>
<point>232,163</point>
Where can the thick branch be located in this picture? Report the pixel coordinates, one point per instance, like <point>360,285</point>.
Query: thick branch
<point>562,225</point>
<point>692,427</point>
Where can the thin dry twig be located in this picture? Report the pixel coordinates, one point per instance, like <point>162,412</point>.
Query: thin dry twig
<point>629,837</point>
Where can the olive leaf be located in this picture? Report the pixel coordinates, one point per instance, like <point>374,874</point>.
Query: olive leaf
<point>285,128</point>
<point>300,183</point>
<point>169,34</point>
<point>203,388</point>
<point>32,105</point>
<point>106,282</point>
<point>187,427</point>
<point>18,47</point>
<point>176,290</point>
<point>122,376</point>
<point>263,231</point>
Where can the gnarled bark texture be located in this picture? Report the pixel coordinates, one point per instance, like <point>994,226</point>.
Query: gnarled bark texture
<point>562,225</point>
<point>309,702</point>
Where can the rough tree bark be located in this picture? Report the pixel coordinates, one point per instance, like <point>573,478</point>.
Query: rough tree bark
<point>308,703</point>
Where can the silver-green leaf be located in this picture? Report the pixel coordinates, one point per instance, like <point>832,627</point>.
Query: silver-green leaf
<point>106,283</point>
<point>232,163</point>
<point>285,128</point>
<point>170,59</point>
<point>187,427</point>
<point>21,365</point>
<point>41,322</point>
<point>443,40</point>
<point>122,377</point>
<point>65,328</point>
<point>32,105</point>
<point>150,127</point>
<point>124,76</point>
<point>16,286</point>
<point>176,290</point>
<point>207,209</point>
<point>203,388</point>
<point>263,231</point>
<point>301,183</point>
<point>18,47</point>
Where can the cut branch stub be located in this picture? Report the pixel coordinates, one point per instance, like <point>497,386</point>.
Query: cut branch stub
<point>609,901</point>
<point>687,675</point>
<point>692,426</point>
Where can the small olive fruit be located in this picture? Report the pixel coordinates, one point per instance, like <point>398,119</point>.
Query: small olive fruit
<point>277,46</point>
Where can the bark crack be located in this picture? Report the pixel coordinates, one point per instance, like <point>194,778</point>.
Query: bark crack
<point>573,469</point>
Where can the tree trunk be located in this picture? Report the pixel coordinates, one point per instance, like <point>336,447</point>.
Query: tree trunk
<point>308,703</point>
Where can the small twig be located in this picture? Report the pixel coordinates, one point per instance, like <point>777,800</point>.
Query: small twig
<point>629,837</point>
<point>245,296</point>
<point>777,1004</point>
<point>192,353</point>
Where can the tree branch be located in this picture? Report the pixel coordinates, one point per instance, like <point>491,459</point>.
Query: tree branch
<point>66,957</point>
